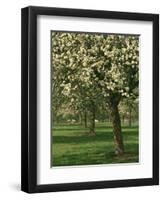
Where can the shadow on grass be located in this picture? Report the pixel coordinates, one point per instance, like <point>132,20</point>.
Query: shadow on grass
<point>99,156</point>
<point>74,146</point>
<point>81,128</point>
<point>84,137</point>
<point>67,128</point>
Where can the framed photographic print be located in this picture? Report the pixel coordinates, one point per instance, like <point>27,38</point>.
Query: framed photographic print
<point>90,99</point>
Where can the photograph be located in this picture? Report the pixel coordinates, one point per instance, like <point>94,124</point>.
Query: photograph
<point>94,98</point>
<point>90,99</point>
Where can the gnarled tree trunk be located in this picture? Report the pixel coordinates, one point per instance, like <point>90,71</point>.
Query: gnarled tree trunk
<point>116,121</point>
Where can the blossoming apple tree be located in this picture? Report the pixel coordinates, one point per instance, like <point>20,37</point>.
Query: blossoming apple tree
<point>88,69</point>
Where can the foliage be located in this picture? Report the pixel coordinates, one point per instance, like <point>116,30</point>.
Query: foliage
<point>89,67</point>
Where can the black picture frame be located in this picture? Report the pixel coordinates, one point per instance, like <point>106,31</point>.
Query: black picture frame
<point>29,99</point>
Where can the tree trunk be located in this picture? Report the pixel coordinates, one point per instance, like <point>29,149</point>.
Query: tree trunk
<point>92,120</point>
<point>118,139</point>
<point>85,119</point>
<point>129,122</point>
<point>80,119</point>
<point>123,119</point>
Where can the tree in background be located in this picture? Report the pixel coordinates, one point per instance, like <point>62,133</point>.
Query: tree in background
<point>129,110</point>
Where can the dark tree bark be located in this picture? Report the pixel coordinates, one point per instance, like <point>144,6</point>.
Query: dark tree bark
<point>85,119</point>
<point>129,121</point>
<point>123,119</point>
<point>92,119</point>
<point>117,131</point>
<point>80,119</point>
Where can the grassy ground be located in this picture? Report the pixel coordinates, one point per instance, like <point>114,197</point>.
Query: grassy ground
<point>72,146</point>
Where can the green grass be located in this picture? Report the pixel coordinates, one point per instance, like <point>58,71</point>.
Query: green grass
<point>72,146</point>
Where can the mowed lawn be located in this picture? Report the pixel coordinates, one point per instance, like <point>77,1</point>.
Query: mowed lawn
<point>71,145</point>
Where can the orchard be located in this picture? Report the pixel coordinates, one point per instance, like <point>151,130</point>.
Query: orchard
<point>95,79</point>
